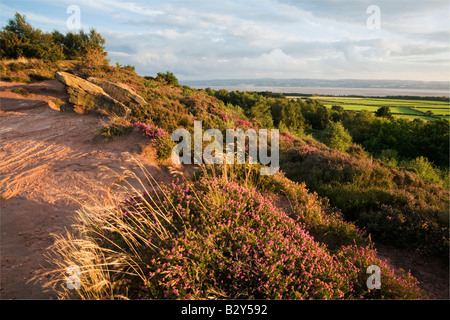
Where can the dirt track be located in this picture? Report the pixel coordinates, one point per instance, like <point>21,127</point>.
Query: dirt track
<point>51,164</point>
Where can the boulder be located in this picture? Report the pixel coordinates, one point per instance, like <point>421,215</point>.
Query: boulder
<point>119,91</point>
<point>87,96</point>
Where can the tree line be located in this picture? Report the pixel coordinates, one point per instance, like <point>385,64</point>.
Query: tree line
<point>20,39</point>
<point>377,133</point>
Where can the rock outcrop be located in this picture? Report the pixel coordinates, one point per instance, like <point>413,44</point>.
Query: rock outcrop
<point>87,96</point>
<point>119,91</point>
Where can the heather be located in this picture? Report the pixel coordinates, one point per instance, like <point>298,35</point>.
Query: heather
<point>230,233</point>
<point>217,239</point>
<point>396,206</point>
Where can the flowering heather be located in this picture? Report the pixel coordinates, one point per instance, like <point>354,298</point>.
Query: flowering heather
<point>395,206</point>
<point>243,123</point>
<point>150,131</point>
<point>287,140</point>
<point>221,239</point>
<point>323,221</point>
<point>400,285</point>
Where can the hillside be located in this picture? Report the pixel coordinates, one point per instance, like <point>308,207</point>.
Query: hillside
<point>88,187</point>
<point>54,163</point>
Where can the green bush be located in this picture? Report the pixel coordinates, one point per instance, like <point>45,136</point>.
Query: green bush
<point>167,78</point>
<point>164,145</point>
<point>117,127</point>
<point>336,137</point>
<point>22,91</point>
<point>425,170</point>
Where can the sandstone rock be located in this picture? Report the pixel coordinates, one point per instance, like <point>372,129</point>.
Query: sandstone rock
<point>87,96</point>
<point>119,91</point>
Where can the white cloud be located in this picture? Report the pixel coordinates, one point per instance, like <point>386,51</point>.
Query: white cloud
<point>270,38</point>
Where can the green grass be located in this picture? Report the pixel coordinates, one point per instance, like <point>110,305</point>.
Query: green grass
<point>410,109</point>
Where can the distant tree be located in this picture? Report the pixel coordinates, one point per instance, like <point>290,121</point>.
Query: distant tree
<point>261,113</point>
<point>321,118</point>
<point>338,108</point>
<point>19,39</point>
<point>292,117</point>
<point>358,124</point>
<point>168,78</point>
<point>336,137</point>
<point>384,112</point>
<point>337,113</point>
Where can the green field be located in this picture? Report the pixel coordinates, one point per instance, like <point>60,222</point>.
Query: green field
<point>410,109</point>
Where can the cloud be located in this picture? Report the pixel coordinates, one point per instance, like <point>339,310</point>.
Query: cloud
<point>268,38</point>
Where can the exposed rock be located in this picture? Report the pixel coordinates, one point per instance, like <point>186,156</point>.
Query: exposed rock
<point>119,91</point>
<point>87,96</point>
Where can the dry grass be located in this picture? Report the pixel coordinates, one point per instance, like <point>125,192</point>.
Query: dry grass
<point>92,224</point>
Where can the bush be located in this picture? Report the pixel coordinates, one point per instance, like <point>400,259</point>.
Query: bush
<point>167,78</point>
<point>164,145</point>
<point>150,131</point>
<point>424,169</point>
<point>116,127</point>
<point>22,91</point>
<point>336,137</point>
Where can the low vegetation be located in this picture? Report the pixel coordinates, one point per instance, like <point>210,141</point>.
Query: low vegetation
<point>218,239</point>
<point>347,178</point>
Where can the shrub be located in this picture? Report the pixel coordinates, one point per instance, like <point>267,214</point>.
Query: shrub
<point>150,131</point>
<point>424,169</point>
<point>150,84</point>
<point>22,91</point>
<point>164,145</point>
<point>336,137</point>
<point>116,127</point>
<point>187,91</point>
<point>167,78</point>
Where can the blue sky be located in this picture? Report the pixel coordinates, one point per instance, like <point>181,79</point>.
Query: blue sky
<point>237,39</point>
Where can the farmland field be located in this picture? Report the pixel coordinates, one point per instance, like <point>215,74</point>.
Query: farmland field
<point>411,109</point>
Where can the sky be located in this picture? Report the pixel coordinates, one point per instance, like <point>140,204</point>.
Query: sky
<point>240,39</point>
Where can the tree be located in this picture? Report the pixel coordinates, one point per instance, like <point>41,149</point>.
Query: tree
<point>292,117</point>
<point>358,124</point>
<point>168,78</point>
<point>261,113</point>
<point>20,39</point>
<point>321,118</point>
<point>336,137</point>
<point>20,27</point>
<point>337,113</point>
<point>384,112</point>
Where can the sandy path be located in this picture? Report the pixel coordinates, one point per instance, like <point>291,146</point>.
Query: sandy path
<point>51,164</point>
